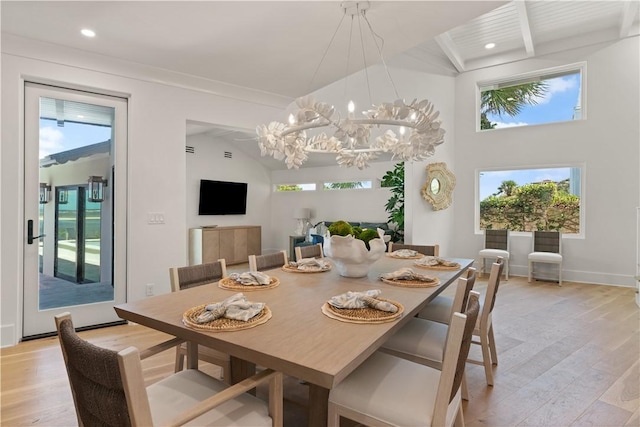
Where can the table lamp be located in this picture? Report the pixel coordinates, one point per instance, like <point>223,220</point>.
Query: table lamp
<point>302,215</point>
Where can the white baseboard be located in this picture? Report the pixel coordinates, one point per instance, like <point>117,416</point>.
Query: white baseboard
<point>7,335</point>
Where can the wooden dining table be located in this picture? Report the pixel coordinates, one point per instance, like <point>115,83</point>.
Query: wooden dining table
<point>298,340</point>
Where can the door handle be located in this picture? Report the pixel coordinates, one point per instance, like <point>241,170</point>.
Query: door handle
<point>30,236</point>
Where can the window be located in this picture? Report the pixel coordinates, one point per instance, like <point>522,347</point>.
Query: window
<point>544,97</point>
<point>531,199</point>
<point>295,187</point>
<point>346,185</point>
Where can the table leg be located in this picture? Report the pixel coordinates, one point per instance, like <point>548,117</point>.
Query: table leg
<point>192,355</point>
<point>318,405</point>
<point>241,369</point>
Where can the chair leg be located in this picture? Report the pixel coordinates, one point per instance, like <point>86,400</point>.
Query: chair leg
<point>226,373</point>
<point>492,347</point>
<point>559,274</point>
<point>464,387</point>
<point>459,419</point>
<point>530,270</point>
<point>179,365</point>
<point>486,357</point>
<point>506,267</point>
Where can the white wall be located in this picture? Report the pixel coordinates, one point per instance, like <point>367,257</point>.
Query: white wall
<point>158,111</point>
<point>208,162</point>
<point>423,225</point>
<point>364,205</point>
<point>607,143</point>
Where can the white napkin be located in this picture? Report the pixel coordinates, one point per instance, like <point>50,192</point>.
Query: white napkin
<point>362,300</point>
<point>433,261</point>
<point>235,307</point>
<point>407,274</point>
<point>405,253</point>
<point>310,264</point>
<point>251,278</point>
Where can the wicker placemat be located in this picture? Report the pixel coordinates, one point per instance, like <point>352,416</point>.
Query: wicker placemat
<point>290,269</point>
<point>223,324</point>
<point>391,255</point>
<point>363,315</point>
<point>229,283</point>
<point>412,283</point>
<point>438,267</point>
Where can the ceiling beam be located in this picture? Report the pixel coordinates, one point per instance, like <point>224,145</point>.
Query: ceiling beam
<point>523,19</point>
<point>626,19</point>
<point>449,48</point>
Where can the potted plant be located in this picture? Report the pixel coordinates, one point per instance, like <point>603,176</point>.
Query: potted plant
<point>394,180</point>
<point>352,249</point>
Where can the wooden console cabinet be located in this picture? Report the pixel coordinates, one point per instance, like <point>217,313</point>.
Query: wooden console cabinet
<point>234,244</point>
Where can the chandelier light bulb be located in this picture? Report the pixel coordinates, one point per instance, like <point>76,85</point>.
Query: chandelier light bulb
<point>402,130</point>
<point>351,107</point>
<point>292,119</point>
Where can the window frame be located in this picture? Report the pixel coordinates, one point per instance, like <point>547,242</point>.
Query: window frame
<point>580,165</point>
<point>546,73</point>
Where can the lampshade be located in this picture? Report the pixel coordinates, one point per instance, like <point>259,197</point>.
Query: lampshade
<point>302,213</point>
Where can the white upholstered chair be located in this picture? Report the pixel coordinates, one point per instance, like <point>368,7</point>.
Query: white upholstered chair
<point>496,244</point>
<point>313,251</point>
<point>440,309</point>
<point>433,250</point>
<point>484,326</point>
<point>108,389</point>
<point>189,277</point>
<point>423,341</point>
<point>267,261</point>
<point>390,391</point>
<point>547,248</point>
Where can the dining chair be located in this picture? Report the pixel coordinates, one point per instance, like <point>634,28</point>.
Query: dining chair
<point>496,244</point>
<point>440,309</point>
<point>484,326</point>
<point>433,250</point>
<point>390,391</point>
<point>267,261</point>
<point>108,389</point>
<point>547,248</point>
<point>189,277</point>
<point>424,341</point>
<point>313,251</point>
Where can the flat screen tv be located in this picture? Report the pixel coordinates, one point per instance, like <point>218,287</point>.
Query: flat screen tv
<point>222,198</point>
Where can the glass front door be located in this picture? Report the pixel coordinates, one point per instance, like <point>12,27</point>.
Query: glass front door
<point>73,139</point>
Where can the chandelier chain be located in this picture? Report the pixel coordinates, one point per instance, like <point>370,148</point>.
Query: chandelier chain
<point>380,49</point>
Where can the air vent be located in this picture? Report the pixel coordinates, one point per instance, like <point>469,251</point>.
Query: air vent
<point>190,149</point>
<point>228,155</point>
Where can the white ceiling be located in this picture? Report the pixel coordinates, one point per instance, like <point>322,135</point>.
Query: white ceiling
<point>276,47</point>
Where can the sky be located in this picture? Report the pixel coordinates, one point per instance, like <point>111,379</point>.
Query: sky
<point>491,180</point>
<point>556,105</point>
<point>55,139</point>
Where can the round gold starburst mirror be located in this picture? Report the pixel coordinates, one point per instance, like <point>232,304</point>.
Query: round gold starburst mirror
<point>439,186</point>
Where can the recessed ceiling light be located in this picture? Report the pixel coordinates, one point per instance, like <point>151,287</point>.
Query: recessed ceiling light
<point>489,45</point>
<point>88,33</point>
<point>80,116</point>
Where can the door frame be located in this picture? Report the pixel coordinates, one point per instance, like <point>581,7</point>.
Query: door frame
<point>88,315</point>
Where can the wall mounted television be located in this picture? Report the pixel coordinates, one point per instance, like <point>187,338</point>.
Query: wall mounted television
<point>222,198</point>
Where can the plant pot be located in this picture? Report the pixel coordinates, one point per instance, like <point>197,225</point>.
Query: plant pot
<point>350,256</point>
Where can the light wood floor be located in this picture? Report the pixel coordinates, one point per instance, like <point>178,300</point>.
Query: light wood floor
<point>568,356</point>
